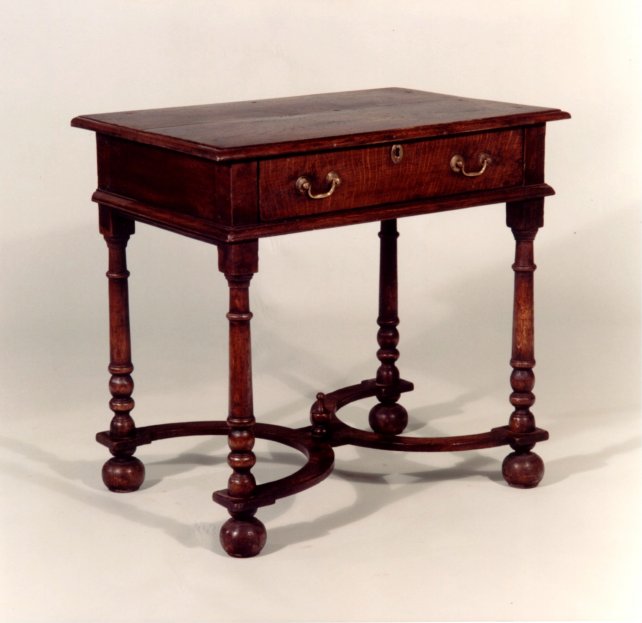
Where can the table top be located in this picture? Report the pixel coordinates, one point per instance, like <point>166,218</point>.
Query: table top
<point>272,127</point>
<point>245,170</point>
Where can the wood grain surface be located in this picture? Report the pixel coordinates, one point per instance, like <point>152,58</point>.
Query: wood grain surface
<point>270,127</point>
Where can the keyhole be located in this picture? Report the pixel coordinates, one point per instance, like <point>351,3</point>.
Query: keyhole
<point>396,153</point>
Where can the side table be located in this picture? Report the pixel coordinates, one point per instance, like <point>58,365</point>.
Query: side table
<point>230,174</point>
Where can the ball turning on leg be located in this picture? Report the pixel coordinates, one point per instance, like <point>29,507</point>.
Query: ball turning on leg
<point>243,535</point>
<point>523,469</point>
<point>388,419</point>
<point>123,474</point>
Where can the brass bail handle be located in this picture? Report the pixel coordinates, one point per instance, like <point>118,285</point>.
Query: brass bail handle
<point>304,186</point>
<point>458,166</point>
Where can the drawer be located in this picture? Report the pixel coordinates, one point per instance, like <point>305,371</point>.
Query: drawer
<point>344,180</point>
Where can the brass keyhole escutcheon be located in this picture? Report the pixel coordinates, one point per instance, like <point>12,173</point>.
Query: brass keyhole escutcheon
<point>396,153</point>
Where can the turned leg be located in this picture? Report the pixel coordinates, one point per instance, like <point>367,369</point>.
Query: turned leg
<point>387,416</point>
<point>242,535</point>
<point>123,472</point>
<point>523,468</point>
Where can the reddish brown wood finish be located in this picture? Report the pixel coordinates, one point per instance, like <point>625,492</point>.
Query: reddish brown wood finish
<point>523,468</point>
<point>242,535</point>
<point>329,121</point>
<point>227,174</point>
<point>123,472</point>
<point>178,184</point>
<point>211,232</point>
<point>388,417</point>
<point>370,177</point>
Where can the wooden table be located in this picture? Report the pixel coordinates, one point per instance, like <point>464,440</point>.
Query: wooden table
<point>230,174</point>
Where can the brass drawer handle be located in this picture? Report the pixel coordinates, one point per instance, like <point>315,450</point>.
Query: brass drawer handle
<point>457,165</point>
<point>304,186</point>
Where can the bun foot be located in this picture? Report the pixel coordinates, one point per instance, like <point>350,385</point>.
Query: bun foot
<point>390,419</point>
<point>124,474</point>
<point>243,537</point>
<point>523,469</point>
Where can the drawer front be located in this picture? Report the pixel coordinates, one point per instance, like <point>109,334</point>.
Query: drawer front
<point>345,180</point>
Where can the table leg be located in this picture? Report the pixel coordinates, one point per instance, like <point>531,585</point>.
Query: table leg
<point>242,535</point>
<point>388,417</point>
<point>123,472</point>
<point>523,468</point>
